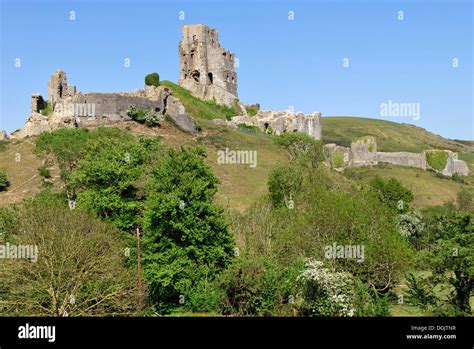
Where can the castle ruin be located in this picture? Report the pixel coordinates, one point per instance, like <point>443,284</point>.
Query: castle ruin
<point>207,69</point>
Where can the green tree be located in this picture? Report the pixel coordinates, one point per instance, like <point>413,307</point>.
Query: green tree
<point>302,148</point>
<point>283,184</point>
<point>152,79</point>
<point>185,233</point>
<point>392,193</point>
<point>452,257</point>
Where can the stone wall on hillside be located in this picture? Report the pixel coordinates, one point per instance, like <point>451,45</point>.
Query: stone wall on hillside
<point>417,160</point>
<point>363,152</point>
<point>71,108</point>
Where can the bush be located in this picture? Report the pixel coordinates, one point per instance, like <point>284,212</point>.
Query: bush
<point>464,199</point>
<point>326,293</point>
<point>251,128</point>
<point>44,172</point>
<point>392,193</point>
<point>251,111</point>
<point>284,183</point>
<point>301,148</point>
<point>152,79</point>
<point>437,159</point>
<point>147,117</point>
<point>48,109</point>
<point>259,286</point>
<point>4,183</point>
<point>368,302</point>
<point>338,159</point>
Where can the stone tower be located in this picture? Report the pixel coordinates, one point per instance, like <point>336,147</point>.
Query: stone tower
<point>58,87</point>
<point>206,69</point>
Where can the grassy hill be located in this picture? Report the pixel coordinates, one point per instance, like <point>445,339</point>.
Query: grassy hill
<point>240,184</point>
<point>390,136</point>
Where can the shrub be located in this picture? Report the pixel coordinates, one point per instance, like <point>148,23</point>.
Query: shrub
<point>437,159</point>
<point>152,79</point>
<point>302,148</point>
<point>284,183</point>
<point>464,199</point>
<point>251,128</point>
<point>392,193</point>
<point>48,109</point>
<point>147,117</point>
<point>338,159</point>
<point>368,302</point>
<point>326,293</point>
<point>44,172</point>
<point>251,111</point>
<point>4,183</point>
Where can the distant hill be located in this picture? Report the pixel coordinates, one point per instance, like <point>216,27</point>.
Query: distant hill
<point>390,136</point>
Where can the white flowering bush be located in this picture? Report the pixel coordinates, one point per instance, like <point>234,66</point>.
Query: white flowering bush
<point>326,293</point>
<point>410,224</point>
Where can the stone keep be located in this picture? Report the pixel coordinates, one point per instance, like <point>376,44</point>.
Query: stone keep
<point>206,69</point>
<point>58,87</point>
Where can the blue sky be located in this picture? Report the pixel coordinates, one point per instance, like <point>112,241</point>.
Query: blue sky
<point>282,62</point>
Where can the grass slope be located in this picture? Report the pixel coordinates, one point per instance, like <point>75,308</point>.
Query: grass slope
<point>390,136</point>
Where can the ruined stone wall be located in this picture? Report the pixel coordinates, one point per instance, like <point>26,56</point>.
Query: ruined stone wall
<point>364,152</point>
<point>417,160</point>
<point>206,69</point>
<point>58,87</point>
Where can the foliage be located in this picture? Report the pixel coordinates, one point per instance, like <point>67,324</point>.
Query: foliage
<point>152,79</point>
<point>392,193</point>
<point>368,302</point>
<point>185,231</point>
<point>147,117</point>
<point>437,159</point>
<point>44,172</point>
<point>258,286</point>
<point>464,199</point>
<point>48,110</point>
<point>283,184</point>
<point>338,159</point>
<point>199,108</point>
<point>452,259</point>
<point>420,293</point>
<point>4,182</point>
<point>79,269</point>
<point>411,225</point>
<point>326,293</point>
<point>66,145</point>
<point>245,127</point>
<point>301,148</point>
<point>251,111</point>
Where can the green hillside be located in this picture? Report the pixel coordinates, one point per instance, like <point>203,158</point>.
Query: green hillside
<point>390,136</point>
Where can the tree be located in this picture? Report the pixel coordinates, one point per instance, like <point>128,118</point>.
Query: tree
<point>283,184</point>
<point>392,193</point>
<point>302,148</point>
<point>185,233</point>
<point>453,260</point>
<point>79,266</point>
<point>152,79</point>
